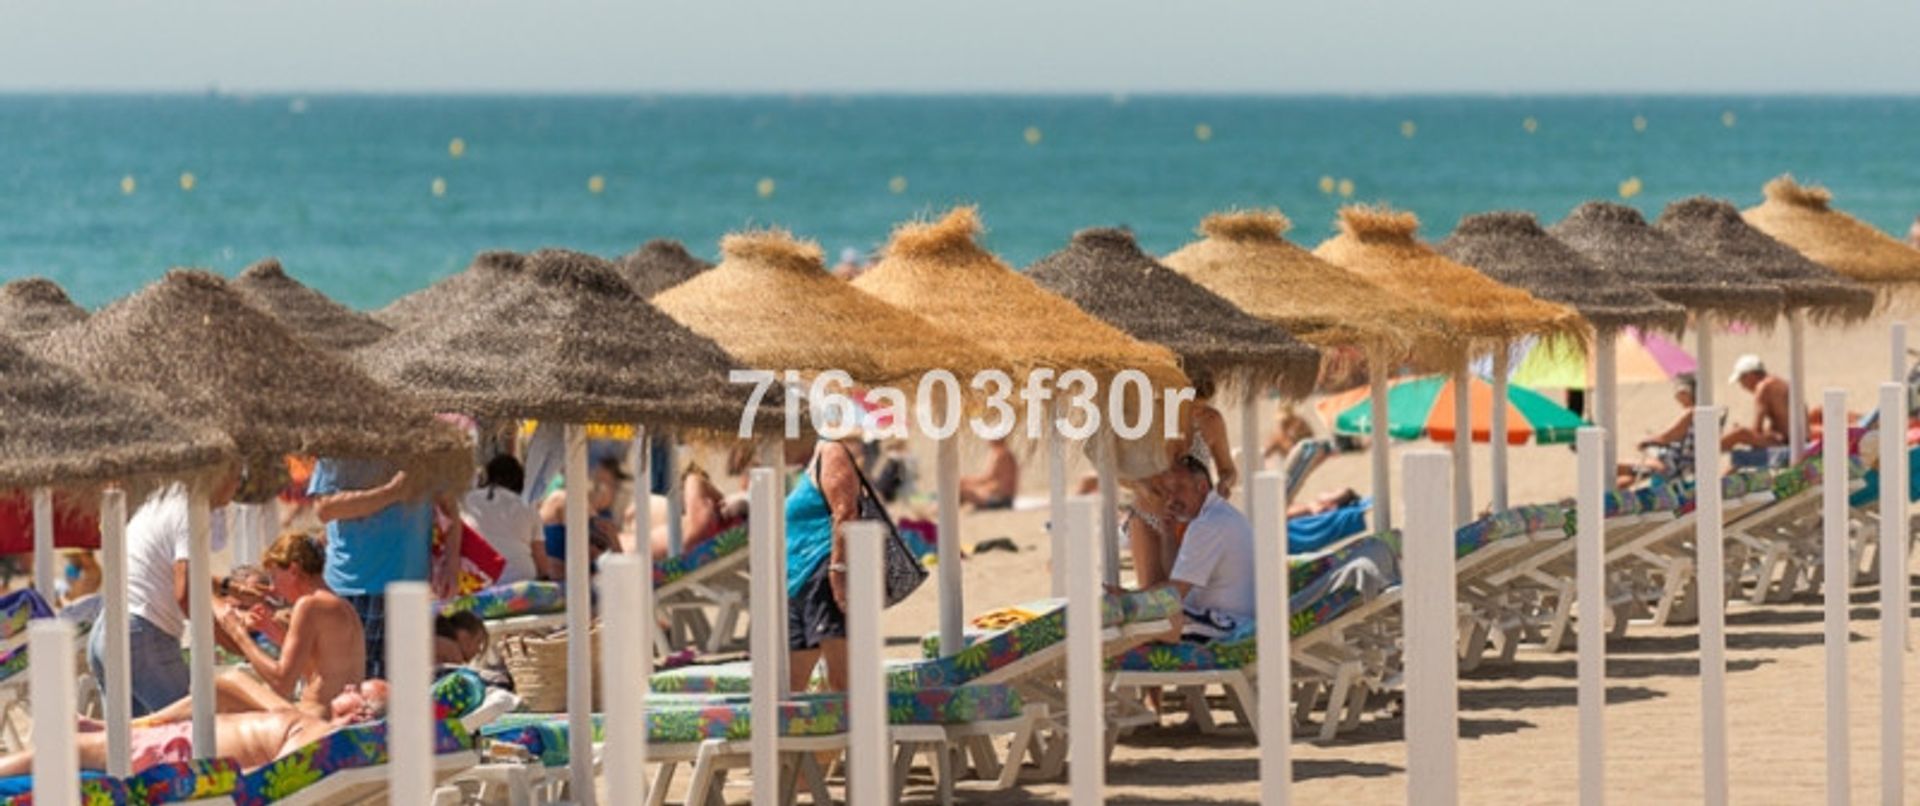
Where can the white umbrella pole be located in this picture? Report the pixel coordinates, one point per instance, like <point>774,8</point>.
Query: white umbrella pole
<point>56,762</point>
<point>1086,743</point>
<point>1274,658</point>
<point>1056,498</point>
<point>626,656</point>
<point>952,604</point>
<point>1711,587</point>
<point>1606,398</point>
<point>643,471</point>
<point>868,770</point>
<point>1796,385</point>
<point>1432,660</point>
<point>1109,520</point>
<point>1894,595</point>
<point>1250,463</point>
<point>1497,437</point>
<point>1837,593</point>
<point>1462,443</point>
<point>410,674</point>
<point>773,457</point>
<point>1377,410</point>
<point>676,539</point>
<point>44,571</point>
<point>118,687</point>
<point>579,620</point>
<point>200,621</point>
<point>1590,583</point>
<point>768,603</point>
<point>1708,382</point>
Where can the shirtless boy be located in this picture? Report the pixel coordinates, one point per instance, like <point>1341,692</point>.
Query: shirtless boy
<point>1770,406</point>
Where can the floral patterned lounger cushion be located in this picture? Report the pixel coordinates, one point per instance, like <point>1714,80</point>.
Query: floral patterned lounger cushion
<point>351,748</point>
<point>525,598</point>
<point>685,718</point>
<point>729,542</point>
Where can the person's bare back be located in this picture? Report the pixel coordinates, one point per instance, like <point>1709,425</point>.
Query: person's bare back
<point>1770,400</point>
<point>341,661</point>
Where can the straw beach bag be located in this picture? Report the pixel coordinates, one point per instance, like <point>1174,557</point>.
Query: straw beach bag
<point>538,666</point>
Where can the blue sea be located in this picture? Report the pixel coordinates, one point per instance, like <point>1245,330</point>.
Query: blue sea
<point>365,197</point>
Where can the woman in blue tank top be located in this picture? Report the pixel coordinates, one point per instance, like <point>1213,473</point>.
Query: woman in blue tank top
<point>826,496</point>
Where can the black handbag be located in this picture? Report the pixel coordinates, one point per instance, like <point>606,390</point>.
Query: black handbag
<point>904,573</point>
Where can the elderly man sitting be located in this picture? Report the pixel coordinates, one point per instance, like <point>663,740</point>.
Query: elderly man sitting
<point>1213,567</point>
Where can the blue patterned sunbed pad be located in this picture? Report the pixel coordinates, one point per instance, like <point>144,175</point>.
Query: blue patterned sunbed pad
<point>1869,495</point>
<point>160,783</point>
<point>729,541</point>
<point>346,749</point>
<point>687,718</point>
<point>524,598</point>
<point>1362,576</point>
<point>18,608</point>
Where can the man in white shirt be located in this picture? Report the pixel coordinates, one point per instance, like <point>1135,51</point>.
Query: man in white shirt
<point>510,525</point>
<point>157,548</point>
<point>1213,571</point>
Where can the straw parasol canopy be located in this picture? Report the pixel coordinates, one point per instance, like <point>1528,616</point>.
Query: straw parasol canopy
<point>1244,257</point>
<point>570,343</point>
<point>1714,226</point>
<point>1511,247</point>
<point>32,307</point>
<point>470,287</point>
<point>772,305</point>
<point>195,349</point>
<point>658,265</point>
<point>1104,272</point>
<point>1800,216</point>
<point>1481,314</point>
<point>308,313</point>
<point>1617,239</point>
<point>939,271</point>
<point>57,428</point>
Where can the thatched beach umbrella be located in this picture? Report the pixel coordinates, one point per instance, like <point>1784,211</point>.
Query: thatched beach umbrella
<point>1802,216</point>
<point>197,351</point>
<point>58,429</point>
<point>1482,315</point>
<point>939,270</point>
<point>471,286</point>
<point>773,305</point>
<point>1104,272</point>
<point>1618,239</point>
<point>310,314</point>
<point>1512,248</point>
<point>1809,289</point>
<point>1245,257</point>
<point>570,342</point>
<point>658,265</point>
<point>62,430</point>
<point>32,307</point>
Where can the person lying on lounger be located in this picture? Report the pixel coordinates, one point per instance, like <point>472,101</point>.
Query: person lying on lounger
<point>252,739</point>
<point>705,512</point>
<point>1325,502</point>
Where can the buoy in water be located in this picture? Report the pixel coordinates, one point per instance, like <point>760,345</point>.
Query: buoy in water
<point>439,186</point>
<point>764,187</point>
<point>457,148</point>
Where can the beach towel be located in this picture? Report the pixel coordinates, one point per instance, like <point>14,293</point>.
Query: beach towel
<point>1310,533</point>
<point>480,564</point>
<point>72,527</point>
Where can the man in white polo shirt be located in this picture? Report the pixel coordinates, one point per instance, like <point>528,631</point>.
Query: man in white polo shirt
<point>1213,571</point>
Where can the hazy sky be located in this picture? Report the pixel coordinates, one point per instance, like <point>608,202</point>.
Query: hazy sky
<point>982,45</point>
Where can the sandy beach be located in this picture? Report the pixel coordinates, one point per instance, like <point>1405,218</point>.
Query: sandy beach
<point>1517,720</point>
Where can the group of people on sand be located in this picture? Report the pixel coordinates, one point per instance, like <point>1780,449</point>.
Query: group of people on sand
<point>1670,452</point>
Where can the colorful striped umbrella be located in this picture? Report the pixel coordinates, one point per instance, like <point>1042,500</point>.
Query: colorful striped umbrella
<point>1642,358</point>
<point>1423,407</point>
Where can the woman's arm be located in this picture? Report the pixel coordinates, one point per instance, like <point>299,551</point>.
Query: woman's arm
<point>1674,432</point>
<point>1213,429</point>
<point>840,485</point>
<point>295,654</point>
<point>354,504</point>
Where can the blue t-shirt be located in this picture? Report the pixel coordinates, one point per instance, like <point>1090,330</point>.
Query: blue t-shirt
<point>809,533</point>
<point>364,555</point>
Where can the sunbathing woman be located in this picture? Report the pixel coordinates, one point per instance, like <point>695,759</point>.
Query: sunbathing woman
<point>705,512</point>
<point>321,649</point>
<point>252,739</point>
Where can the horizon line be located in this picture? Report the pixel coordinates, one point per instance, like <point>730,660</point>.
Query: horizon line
<point>215,90</point>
